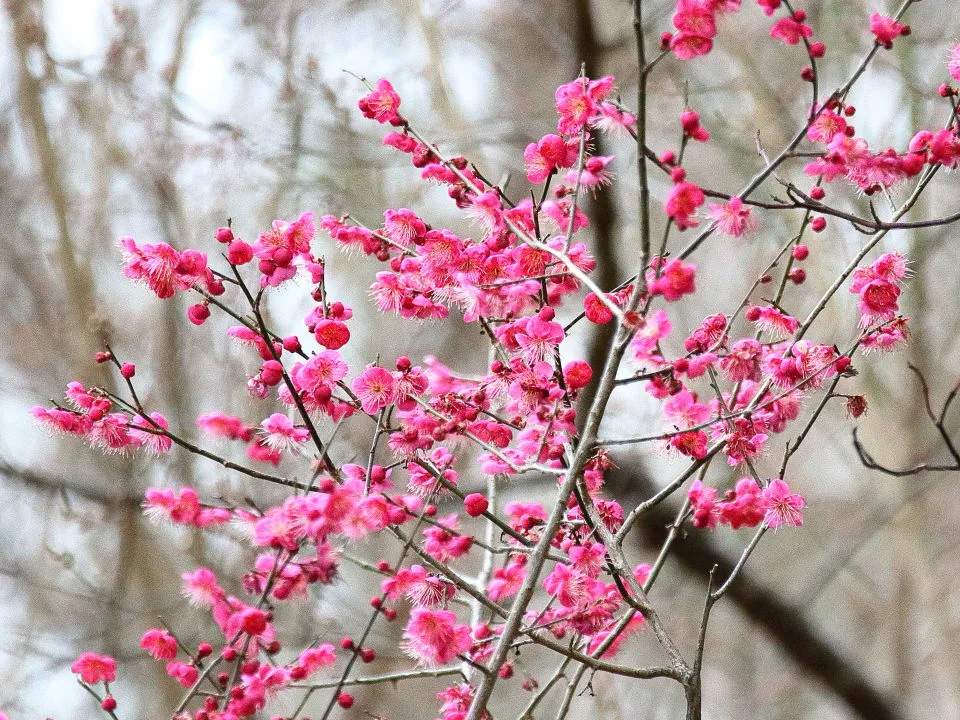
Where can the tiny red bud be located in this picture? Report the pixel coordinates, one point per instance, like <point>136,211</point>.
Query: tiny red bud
<point>430,510</point>
<point>665,38</point>
<point>817,192</point>
<point>807,74</point>
<point>842,364</point>
<point>818,224</point>
<point>800,252</point>
<point>345,700</point>
<point>678,174</point>
<point>109,703</point>
<point>128,370</point>
<point>667,157</point>
<point>347,643</point>
<point>375,602</point>
<point>797,276</point>
<point>224,235</point>
<point>799,15</point>
<point>368,655</point>
<point>291,343</point>
<point>102,357</point>
<point>817,50</point>
<point>204,649</point>
<point>230,654</point>
<point>273,648</point>
<point>752,314</point>
<point>849,111</point>
<point>223,678</point>
<point>764,279</point>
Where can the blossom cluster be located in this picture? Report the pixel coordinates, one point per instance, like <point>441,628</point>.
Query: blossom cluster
<point>724,388</point>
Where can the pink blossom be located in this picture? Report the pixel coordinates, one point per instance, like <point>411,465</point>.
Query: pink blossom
<point>315,658</point>
<point>682,202</point>
<point>676,279</point>
<point>687,46</point>
<point>539,338</point>
<point>613,120</point>
<point>733,218</point>
<point>376,388</point>
<point>886,29</point>
<point>569,585</point>
<point>546,155</point>
<point>782,506</point>
<point>769,6</point>
<point>578,102</point>
<point>743,361</point>
<point>422,588</point>
<point>684,411</point>
<point>694,19</point>
<point>506,581</point>
<point>93,668</point>
<point>279,433</point>
<point>381,104</point>
<point>772,320</point>
<point>183,673</point>
<point>652,330</point>
<point>703,501</point>
<point>201,588</point>
<point>146,433</point>
<point>433,637</point>
<point>888,337</point>
<point>790,31</point>
<point>182,507</point>
<point>953,64</point>
<point>153,265</point>
<point>403,226</point>
<point>160,644</point>
<point>692,444</point>
<point>826,127</point>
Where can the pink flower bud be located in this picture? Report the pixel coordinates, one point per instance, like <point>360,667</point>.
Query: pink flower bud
<point>198,314</point>
<point>272,373</point>
<point>475,504</point>
<point>239,252</point>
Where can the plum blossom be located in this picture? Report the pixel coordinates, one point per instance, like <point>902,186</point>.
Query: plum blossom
<point>93,668</point>
<point>376,388</point>
<point>381,104</point>
<point>279,433</point>
<point>433,637</point>
<point>733,218</point>
<point>782,506</point>
<point>682,202</point>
